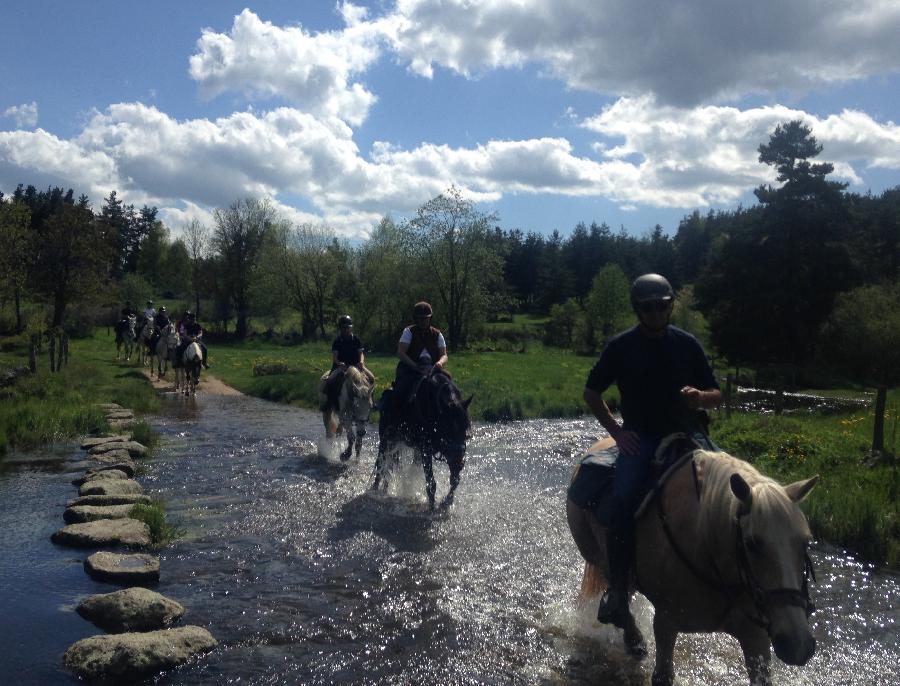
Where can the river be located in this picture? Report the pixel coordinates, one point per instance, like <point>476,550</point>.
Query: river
<point>306,577</point>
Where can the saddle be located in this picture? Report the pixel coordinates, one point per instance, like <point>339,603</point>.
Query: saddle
<point>591,488</point>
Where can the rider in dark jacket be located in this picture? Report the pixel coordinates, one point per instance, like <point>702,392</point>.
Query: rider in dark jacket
<point>192,331</point>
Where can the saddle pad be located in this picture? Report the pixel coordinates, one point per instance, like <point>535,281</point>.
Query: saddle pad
<point>591,488</point>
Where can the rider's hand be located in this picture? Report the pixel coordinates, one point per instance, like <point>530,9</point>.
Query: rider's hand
<point>691,397</point>
<point>439,365</point>
<point>628,442</point>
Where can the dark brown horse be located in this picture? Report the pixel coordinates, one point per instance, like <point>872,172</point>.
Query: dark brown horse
<point>434,421</point>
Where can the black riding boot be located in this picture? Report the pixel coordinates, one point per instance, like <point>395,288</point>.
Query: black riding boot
<point>614,604</point>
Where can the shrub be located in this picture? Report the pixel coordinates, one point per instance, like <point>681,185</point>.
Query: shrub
<point>153,514</point>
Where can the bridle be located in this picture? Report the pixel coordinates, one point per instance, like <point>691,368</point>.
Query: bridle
<point>764,598</point>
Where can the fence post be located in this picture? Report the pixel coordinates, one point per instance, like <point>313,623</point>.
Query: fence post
<point>729,391</point>
<point>52,350</point>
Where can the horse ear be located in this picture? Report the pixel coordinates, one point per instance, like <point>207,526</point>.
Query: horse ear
<point>468,401</point>
<point>741,490</point>
<point>798,490</point>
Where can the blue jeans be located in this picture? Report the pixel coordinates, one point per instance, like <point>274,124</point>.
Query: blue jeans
<point>631,483</point>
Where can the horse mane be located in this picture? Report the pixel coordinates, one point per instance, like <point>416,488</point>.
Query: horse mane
<point>359,382</point>
<point>770,502</point>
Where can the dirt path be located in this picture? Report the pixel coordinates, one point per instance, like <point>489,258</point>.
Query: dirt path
<point>208,384</point>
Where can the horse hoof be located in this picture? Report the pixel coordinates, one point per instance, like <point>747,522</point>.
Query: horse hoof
<point>635,646</point>
<point>345,457</point>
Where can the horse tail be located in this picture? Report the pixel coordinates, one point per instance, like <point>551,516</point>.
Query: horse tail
<point>592,582</point>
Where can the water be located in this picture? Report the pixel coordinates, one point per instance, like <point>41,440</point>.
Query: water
<point>304,576</point>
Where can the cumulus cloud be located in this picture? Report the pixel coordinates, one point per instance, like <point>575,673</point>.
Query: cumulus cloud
<point>683,52</point>
<point>25,115</point>
<point>312,71</point>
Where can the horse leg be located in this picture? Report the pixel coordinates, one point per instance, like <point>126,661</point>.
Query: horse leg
<point>634,639</point>
<point>345,455</point>
<point>757,656</point>
<point>456,467</point>
<point>665,634</point>
<point>360,432</point>
<point>430,484</point>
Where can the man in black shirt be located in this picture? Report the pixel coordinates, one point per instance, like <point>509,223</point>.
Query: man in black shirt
<point>347,350</point>
<point>664,378</point>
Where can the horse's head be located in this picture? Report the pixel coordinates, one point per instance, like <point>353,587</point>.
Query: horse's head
<point>357,395</point>
<point>451,417</point>
<point>772,537</point>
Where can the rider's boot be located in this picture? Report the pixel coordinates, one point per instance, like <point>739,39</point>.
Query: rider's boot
<point>614,603</point>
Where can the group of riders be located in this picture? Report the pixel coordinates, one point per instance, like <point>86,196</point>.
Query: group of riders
<point>665,385</point>
<point>188,328</point>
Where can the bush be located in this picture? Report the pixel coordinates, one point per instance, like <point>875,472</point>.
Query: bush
<point>145,435</point>
<point>153,514</point>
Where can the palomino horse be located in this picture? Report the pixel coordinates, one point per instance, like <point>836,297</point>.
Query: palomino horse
<point>164,351</point>
<point>125,337</point>
<point>355,402</point>
<point>719,548</point>
<point>435,421</point>
<point>143,341</point>
<point>187,374</point>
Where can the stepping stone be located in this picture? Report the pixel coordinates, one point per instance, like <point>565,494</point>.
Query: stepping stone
<point>133,447</point>
<point>136,568</point>
<point>99,475</point>
<point>133,656</point>
<point>121,424</point>
<point>118,455</point>
<point>109,406</point>
<point>131,609</point>
<point>128,467</point>
<point>103,500</point>
<point>120,414</point>
<point>89,443</point>
<point>111,487</point>
<point>129,532</point>
<point>91,513</point>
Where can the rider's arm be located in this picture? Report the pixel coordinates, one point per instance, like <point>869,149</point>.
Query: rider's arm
<point>404,358</point>
<point>335,360</point>
<point>362,360</point>
<point>697,399</point>
<point>442,359</point>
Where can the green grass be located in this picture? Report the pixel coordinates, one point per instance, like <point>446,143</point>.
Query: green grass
<point>153,514</point>
<point>855,503</point>
<point>47,407</point>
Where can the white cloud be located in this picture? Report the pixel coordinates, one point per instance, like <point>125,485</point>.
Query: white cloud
<point>25,115</point>
<point>684,52</point>
<point>312,71</point>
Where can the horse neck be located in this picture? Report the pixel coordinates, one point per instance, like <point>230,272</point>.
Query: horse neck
<point>718,504</point>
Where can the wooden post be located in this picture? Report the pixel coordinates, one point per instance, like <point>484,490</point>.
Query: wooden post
<point>32,355</point>
<point>65,347</point>
<point>729,394</point>
<point>52,351</point>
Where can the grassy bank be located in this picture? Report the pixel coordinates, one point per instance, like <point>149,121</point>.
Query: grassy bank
<point>857,501</point>
<point>540,382</point>
<point>47,407</point>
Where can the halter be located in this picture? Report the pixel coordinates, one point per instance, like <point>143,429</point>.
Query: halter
<point>765,598</point>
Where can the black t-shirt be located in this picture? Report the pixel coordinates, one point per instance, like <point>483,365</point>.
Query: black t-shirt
<point>348,349</point>
<point>650,373</point>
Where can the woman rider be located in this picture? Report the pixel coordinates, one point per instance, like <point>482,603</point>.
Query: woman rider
<point>421,348</point>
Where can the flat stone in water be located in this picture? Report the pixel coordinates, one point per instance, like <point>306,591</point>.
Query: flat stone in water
<point>111,487</point>
<point>133,447</point>
<point>117,455</point>
<point>137,568</point>
<point>109,406</point>
<point>101,500</point>
<point>128,466</point>
<point>131,609</point>
<point>120,414</point>
<point>128,532</point>
<point>89,443</point>
<point>100,475</point>
<point>132,656</point>
<point>91,513</point>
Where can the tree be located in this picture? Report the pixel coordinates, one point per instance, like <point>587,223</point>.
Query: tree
<point>772,278</point>
<point>451,238</point>
<point>15,251</point>
<point>240,232</point>
<point>608,304</point>
<point>197,239</point>
<point>862,340</point>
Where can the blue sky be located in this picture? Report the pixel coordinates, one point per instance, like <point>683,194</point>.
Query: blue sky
<point>633,113</point>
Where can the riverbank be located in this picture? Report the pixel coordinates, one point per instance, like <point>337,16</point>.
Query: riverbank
<point>46,407</point>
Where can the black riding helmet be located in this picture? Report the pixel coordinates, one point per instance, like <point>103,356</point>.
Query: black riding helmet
<point>344,320</point>
<point>422,309</point>
<point>649,288</point>
<point>189,315</point>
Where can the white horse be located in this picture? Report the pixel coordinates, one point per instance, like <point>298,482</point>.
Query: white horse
<point>125,337</point>
<point>355,402</point>
<point>143,342</point>
<point>187,374</point>
<point>719,548</point>
<point>164,351</point>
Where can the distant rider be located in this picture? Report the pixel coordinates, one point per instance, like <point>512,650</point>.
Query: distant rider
<point>347,350</point>
<point>191,331</point>
<point>160,321</point>
<point>421,348</point>
<point>664,378</point>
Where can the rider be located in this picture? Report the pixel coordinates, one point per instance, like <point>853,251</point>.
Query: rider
<point>346,350</point>
<point>128,310</point>
<point>160,321</point>
<point>664,379</point>
<point>421,348</point>
<point>149,311</point>
<point>191,331</point>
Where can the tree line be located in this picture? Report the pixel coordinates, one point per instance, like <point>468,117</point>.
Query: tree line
<point>771,282</point>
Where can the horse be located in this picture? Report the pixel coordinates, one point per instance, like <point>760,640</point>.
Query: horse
<point>125,336</point>
<point>187,374</point>
<point>433,421</point>
<point>355,402</point>
<point>165,350</point>
<point>143,340</point>
<point>719,547</point>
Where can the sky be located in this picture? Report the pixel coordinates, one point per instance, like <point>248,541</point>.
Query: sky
<point>629,112</point>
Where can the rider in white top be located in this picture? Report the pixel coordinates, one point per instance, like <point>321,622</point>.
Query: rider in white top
<point>149,311</point>
<point>424,356</point>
